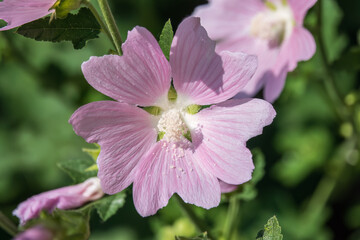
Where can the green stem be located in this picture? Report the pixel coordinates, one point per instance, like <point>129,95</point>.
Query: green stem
<point>7,225</point>
<point>328,183</point>
<point>329,79</point>
<point>110,22</point>
<point>89,5</point>
<point>199,224</point>
<point>232,219</point>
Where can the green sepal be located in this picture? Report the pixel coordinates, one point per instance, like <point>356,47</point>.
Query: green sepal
<point>193,109</point>
<point>270,5</point>
<point>284,2</point>
<point>160,136</point>
<point>271,231</point>
<point>153,110</point>
<point>63,7</point>
<point>93,152</point>
<point>166,38</point>
<point>172,94</point>
<point>187,135</point>
<point>77,28</point>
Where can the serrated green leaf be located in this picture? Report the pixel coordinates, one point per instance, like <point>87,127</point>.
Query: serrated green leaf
<point>77,28</point>
<point>271,231</point>
<point>78,169</point>
<point>108,206</point>
<point>166,39</point>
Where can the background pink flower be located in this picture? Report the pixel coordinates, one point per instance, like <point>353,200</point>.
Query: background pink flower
<point>272,30</point>
<point>19,12</point>
<point>130,152</point>
<point>35,233</point>
<point>62,198</point>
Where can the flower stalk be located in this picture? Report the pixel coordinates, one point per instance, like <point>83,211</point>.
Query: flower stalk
<point>232,219</point>
<point>110,22</point>
<point>7,225</point>
<point>89,5</point>
<point>199,224</point>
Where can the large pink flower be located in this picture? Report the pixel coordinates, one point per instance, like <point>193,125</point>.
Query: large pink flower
<point>271,29</point>
<point>174,151</point>
<point>62,198</point>
<point>19,12</point>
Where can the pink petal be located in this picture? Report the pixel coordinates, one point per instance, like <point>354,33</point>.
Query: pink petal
<point>141,76</point>
<point>226,188</point>
<point>166,170</point>
<point>62,198</point>
<point>200,75</point>
<point>274,84</point>
<point>300,8</point>
<point>222,135</point>
<point>266,59</point>
<point>19,12</point>
<point>300,46</point>
<point>222,18</point>
<point>35,233</point>
<point>124,132</point>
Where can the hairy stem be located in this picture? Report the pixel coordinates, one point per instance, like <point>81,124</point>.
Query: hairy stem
<point>232,219</point>
<point>89,5</point>
<point>7,225</point>
<point>199,224</point>
<point>110,22</point>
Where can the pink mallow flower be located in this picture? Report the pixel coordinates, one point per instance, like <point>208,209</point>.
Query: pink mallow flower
<point>175,150</point>
<point>272,30</point>
<point>35,233</point>
<point>19,12</point>
<point>62,198</point>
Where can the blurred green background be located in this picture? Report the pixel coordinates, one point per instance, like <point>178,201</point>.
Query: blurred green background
<point>41,85</point>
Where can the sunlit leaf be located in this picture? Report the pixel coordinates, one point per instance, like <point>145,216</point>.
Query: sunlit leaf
<point>271,231</point>
<point>108,206</point>
<point>166,38</point>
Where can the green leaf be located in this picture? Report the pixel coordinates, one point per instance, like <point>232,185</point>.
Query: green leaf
<point>79,170</point>
<point>271,231</point>
<point>65,224</point>
<point>201,237</point>
<point>166,39</point>
<point>77,28</point>
<point>108,206</point>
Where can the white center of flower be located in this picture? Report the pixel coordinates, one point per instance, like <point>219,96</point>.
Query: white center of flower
<point>273,25</point>
<point>172,124</point>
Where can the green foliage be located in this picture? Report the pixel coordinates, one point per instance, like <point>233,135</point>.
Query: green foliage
<point>108,206</point>
<point>77,28</point>
<point>334,41</point>
<point>166,39</point>
<point>93,152</point>
<point>305,150</point>
<point>271,231</point>
<point>78,169</point>
<point>201,237</point>
<point>65,224</point>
